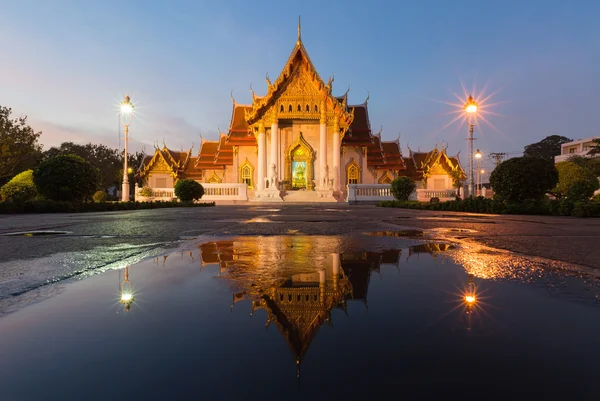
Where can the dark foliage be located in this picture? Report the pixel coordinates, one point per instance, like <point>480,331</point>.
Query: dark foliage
<point>403,187</point>
<point>547,148</point>
<point>188,190</point>
<point>66,178</point>
<point>49,206</point>
<point>523,178</point>
<point>19,147</point>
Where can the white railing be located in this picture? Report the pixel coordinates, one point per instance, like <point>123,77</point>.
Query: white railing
<point>424,195</point>
<point>369,193</point>
<point>158,194</point>
<point>223,191</point>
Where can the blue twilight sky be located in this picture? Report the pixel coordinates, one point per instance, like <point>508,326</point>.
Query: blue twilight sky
<point>67,64</point>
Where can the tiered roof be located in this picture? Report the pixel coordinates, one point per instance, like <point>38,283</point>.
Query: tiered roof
<point>420,165</point>
<point>167,160</point>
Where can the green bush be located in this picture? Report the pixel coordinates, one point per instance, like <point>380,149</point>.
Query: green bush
<point>574,181</point>
<point>523,178</point>
<point>146,191</point>
<point>188,190</point>
<point>20,188</point>
<point>586,209</point>
<point>100,196</point>
<point>50,206</point>
<point>66,178</point>
<point>403,187</point>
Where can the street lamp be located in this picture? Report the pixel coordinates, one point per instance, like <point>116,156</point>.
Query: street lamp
<point>478,156</point>
<point>126,117</point>
<point>471,112</point>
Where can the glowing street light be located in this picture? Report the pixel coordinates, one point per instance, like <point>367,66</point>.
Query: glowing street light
<point>126,118</point>
<point>471,113</point>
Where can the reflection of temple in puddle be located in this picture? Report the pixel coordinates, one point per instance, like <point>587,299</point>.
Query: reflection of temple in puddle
<point>297,280</point>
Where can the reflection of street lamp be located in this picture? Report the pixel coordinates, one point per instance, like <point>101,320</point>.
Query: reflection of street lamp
<point>126,291</point>
<point>126,117</point>
<point>471,112</point>
<point>478,157</point>
<point>470,298</point>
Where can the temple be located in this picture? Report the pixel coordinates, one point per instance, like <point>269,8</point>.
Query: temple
<point>297,142</point>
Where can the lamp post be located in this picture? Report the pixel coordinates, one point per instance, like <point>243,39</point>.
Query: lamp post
<point>478,156</point>
<point>126,117</point>
<point>471,112</point>
<point>481,173</point>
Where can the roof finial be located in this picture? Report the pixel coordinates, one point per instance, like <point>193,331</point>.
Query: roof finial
<point>368,96</point>
<point>398,140</point>
<point>299,30</point>
<point>232,98</point>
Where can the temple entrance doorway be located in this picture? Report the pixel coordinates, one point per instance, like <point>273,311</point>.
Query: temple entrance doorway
<point>299,171</point>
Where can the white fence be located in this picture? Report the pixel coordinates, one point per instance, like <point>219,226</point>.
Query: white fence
<point>158,194</point>
<point>217,192</point>
<point>424,195</point>
<point>369,193</point>
<point>212,192</point>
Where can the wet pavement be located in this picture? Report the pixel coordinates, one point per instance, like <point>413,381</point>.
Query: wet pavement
<point>371,315</point>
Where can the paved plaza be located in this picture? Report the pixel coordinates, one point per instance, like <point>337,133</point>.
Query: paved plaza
<point>563,239</point>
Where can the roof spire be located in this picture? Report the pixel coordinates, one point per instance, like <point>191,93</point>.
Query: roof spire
<point>299,30</point>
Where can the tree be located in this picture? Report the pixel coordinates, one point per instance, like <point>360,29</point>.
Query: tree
<point>547,148</point>
<point>574,182</point>
<point>591,163</point>
<point>20,188</point>
<point>19,147</point>
<point>523,178</point>
<point>403,187</point>
<point>188,190</point>
<point>66,178</point>
<point>595,150</point>
<point>108,161</point>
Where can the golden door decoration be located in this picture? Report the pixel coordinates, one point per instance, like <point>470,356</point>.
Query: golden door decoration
<point>300,151</point>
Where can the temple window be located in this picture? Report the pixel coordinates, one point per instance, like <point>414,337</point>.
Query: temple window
<point>299,108</point>
<point>307,108</point>
<point>246,173</point>
<point>353,173</point>
<point>316,108</point>
<point>281,109</point>
<point>290,108</point>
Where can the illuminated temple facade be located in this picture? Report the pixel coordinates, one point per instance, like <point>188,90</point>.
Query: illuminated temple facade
<point>297,142</point>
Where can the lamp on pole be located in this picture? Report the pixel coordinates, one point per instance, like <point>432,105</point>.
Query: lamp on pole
<point>126,117</point>
<point>471,112</point>
<point>478,156</point>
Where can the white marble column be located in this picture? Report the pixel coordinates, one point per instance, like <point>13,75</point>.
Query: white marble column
<point>322,147</point>
<point>262,158</point>
<point>322,283</point>
<point>336,155</point>
<point>274,147</point>
<point>336,270</point>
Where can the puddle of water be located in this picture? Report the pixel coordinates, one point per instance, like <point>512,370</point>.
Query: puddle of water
<point>401,233</point>
<point>261,311</point>
<point>453,230</point>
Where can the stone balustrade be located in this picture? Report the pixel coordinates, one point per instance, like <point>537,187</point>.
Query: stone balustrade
<point>223,191</point>
<point>424,195</point>
<point>369,193</point>
<point>158,194</point>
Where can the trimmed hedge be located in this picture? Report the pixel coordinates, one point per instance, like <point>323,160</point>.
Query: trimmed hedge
<point>49,206</point>
<point>559,207</point>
